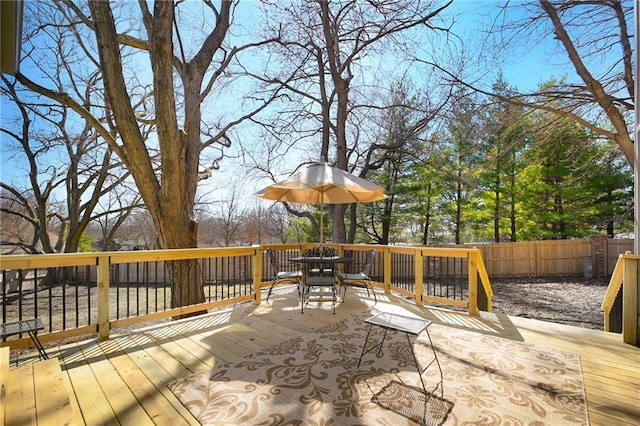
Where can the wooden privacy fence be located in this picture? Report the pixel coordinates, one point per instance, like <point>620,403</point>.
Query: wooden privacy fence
<point>593,257</point>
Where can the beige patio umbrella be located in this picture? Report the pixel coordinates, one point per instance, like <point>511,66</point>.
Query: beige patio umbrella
<point>323,184</point>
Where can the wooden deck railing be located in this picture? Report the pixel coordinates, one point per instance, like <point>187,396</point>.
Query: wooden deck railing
<point>621,309</point>
<point>96,292</point>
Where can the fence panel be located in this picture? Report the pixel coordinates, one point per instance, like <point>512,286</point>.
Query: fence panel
<point>551,258</point>
<point>564,257</point>
<point>509,259</point>
<point>614,249</point>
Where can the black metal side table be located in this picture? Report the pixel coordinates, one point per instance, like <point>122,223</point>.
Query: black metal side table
<point>411,327</point>
<point>30,327</point>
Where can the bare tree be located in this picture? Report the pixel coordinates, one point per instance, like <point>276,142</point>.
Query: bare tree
<point>68,173</point>
<point>229,217</point>
<point>324,49</point>
<point>138,230</point>
<point>595,36</point>
<point>278,224</point>
<point>166,172</point>
<point>116,211</point>
<point>19,233</point>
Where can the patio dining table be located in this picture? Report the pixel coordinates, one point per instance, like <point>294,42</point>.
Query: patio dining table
<point>327,260</point>
<point>320,264</point>
<point>319,272</point>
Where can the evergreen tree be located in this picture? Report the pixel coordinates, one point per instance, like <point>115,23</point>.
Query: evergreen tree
<point>556,196</point>
<point>504,139</point>
<point>401,149</point>
<point>460,150</point>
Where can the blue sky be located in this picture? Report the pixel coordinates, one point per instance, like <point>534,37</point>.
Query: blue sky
<point>525,71</point>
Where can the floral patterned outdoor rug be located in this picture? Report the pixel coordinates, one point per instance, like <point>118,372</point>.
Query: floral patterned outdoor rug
<point>314,379</point>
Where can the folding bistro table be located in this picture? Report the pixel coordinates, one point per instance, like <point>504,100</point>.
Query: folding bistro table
<point>30,327</point>
<point>410,327</point>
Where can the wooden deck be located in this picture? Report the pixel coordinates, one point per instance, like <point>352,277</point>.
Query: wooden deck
<point>124,380</point>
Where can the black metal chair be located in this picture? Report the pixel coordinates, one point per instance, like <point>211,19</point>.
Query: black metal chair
<point>282,277</point>
<point>320,276</point>
<point>319,252</point>
<point>361,279</point>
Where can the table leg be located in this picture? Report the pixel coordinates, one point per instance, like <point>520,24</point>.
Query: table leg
<point>36,342</point>
<point>415,360</point>
<point>435,356</point>
<point>422,370</point>
<point>366,340</point>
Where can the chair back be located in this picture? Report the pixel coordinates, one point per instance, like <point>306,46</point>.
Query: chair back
<point>319,268</point>
<point>371,256</point>
<point>312,252</point>
<point>272,259</point>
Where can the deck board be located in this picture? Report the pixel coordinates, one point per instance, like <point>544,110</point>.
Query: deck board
<point>225,349</point>
<point>4,380</point>
<point>94,407</point>
<point>76,415</point>
<point>21,400</point>
<point>162,356</point>
<point>157,376</point>
<point>154,403</point>
<point>116,391</point>
<point>125,379</point>
<point>612,385</point>
<point>51,397</point>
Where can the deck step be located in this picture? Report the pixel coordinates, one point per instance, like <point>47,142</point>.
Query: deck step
<point>4,380</point>
<point>38,394</point>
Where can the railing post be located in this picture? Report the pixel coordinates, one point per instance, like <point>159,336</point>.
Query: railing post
<point>630,301</point>
<point>103,297</point>
<point>418,267</point>
<point>387,270</point>
<point>257,276</point>
<point>472,271</point>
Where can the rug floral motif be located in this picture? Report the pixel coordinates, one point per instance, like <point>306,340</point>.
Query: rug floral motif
<point>314,380</point>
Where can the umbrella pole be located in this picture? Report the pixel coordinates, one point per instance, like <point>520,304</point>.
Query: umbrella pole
<point>321,218</point>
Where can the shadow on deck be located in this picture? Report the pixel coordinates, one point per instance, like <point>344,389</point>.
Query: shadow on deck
<point>124,379</point>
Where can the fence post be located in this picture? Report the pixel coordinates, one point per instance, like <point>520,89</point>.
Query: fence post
<point>257,276</point>
<point>536,245</point>
<point>630,301</point>
<point>103,297</point>
<point>472,270</point>
<point>418,269</point>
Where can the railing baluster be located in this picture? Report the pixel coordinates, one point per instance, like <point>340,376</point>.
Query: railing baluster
<point>421,272</point>
<point>36,314</point>
<point>117,286</point>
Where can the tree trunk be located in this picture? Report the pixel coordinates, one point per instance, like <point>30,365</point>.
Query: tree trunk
<point>168,191</point>
<point>353,226</point>
<point>186,278</point>
<point>458,219</point>
<point>496,210</point>
<point>341,85</point>
<point>512,199</point>
<point>339,234</point>
<point>427,217</point>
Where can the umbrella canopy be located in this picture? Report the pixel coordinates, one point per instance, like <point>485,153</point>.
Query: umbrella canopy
<point>322,184</point>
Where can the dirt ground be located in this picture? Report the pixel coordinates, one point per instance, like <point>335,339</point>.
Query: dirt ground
<point>567,300</point>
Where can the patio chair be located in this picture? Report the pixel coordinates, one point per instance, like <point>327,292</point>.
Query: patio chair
<point>314,269</point>
<point>320,276</point>
<point>360,280</point>
<point>282,277</point>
